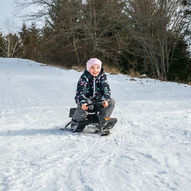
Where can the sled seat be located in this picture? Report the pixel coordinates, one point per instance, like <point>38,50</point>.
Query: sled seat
<point>91,114</point>
<point>72,111</point>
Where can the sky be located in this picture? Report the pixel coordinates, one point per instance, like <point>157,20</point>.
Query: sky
<point>8,20</point>
<point>10,17</point>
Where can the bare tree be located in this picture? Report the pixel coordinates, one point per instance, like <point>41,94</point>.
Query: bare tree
<point>77,29</point>
<point>36,8</point>
<point>83,29</point>
<point>152,24</point>
<point>102,23</point>
<point>10,45</point>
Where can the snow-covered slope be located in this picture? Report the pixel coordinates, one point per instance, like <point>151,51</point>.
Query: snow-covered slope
<point>149,148</point>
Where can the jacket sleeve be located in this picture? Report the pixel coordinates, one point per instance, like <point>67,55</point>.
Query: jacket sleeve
<point>106,95</point>
<point>80,97</point>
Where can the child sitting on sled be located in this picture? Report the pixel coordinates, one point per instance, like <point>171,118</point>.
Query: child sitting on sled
<point>92,87</point>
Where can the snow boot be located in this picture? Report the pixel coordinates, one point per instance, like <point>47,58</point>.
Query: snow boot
<point>78,127</point>
<point>109,123</point>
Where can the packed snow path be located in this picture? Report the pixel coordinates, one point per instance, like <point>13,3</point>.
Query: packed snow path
<point>149,148</point>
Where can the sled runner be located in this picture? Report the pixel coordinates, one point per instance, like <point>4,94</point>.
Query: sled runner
<point>102,125</point>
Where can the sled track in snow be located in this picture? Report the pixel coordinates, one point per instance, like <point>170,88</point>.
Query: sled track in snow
<point>89,163</point>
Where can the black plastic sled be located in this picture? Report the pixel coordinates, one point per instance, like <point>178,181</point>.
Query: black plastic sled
<point>101,125</point>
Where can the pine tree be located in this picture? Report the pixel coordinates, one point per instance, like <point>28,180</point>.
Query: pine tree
<point>30,40</point>
<point>180,68</point>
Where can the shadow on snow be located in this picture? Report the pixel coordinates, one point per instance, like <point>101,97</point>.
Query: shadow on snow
<point>33,132</point>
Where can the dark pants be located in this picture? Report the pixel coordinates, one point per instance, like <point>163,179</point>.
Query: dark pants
<point>80,114</point>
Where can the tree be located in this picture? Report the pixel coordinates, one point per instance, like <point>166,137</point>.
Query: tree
<point>82,30</point>
<point>130,34</point>
<point>10,45</point>
<point>30,41</point>
<point>63,30</point>
<point>2,45</point>
<point>180,68</point>
<point>151,24</point>
<point>102,23</point>
<point>186,8</point>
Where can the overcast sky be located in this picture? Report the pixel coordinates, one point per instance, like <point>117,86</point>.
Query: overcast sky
<point>10,19</point>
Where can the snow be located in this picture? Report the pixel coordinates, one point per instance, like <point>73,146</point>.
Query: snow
<point>149,148</point>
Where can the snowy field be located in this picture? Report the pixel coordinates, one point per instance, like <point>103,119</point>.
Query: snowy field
<point>149,149</point>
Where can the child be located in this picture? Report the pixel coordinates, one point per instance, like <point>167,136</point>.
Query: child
<point>92,86</point>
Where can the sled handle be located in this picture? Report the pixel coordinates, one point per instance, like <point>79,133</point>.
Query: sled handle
<point>95,103</point>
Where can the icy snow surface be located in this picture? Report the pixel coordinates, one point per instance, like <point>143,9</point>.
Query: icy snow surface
<point>149,148</point>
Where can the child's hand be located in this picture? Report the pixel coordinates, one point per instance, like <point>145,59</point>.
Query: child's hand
<point>105,103</point>
<point>84,106</point>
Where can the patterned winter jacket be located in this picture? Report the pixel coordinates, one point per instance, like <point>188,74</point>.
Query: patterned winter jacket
<point>96,88</point>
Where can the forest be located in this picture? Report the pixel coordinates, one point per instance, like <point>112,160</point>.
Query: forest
<point>133,37</point>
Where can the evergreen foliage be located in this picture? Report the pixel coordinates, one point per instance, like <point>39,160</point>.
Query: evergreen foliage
<point>180,68</point>
<point>147,37</point>
<point>30,42</point>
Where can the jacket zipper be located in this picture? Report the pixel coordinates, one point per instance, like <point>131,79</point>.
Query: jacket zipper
<point>94,87</point>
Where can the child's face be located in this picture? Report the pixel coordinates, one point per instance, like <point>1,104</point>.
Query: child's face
<point>94,70</point>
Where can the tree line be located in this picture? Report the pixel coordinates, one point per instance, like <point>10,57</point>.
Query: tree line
<point>146,37</point>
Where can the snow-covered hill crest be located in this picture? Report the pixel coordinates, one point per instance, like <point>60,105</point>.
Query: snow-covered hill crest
<point>149,148</point>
